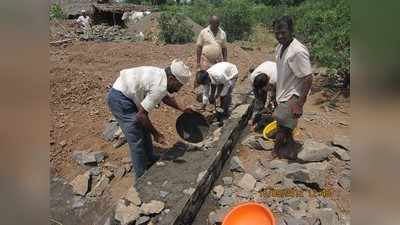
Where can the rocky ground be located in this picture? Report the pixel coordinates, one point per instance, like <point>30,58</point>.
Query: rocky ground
<point>315,189</point>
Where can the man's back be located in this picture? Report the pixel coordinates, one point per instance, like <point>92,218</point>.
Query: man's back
<point>222,72</point>
<point>268,68</point>
<point>139,82</point>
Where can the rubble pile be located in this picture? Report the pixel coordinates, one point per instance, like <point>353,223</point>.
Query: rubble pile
<point>103,32</point>
<point>98,175</point>
<point>296,192</point>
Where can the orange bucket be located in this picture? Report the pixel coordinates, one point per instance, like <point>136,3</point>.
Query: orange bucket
<point>249,214</point>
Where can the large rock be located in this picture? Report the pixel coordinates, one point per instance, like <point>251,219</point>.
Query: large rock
<point>216,217</point>
<point>259,173</point>
<point>100,186</point>
<point>313,151</point>
<point>341,141</point>
<point>126,213</point>
<point>326,216</point>
<point>252,142</point>
<point>236,164</point>
<point>85,157</point>
<point>247,182</point>
<point>277,164</point>
<point>341,154</point>
<point>80,185</point>
<point>153,207</point>
<point>218,191</point>
<point>133,196</point>
<point>312,174</point>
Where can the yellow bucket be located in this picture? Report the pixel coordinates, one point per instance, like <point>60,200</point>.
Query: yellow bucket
<point>271,128</point>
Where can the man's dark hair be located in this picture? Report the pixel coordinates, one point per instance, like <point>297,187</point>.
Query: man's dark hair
<point>202,77</point>
<point>284,20</point>
<point>260,81</point>
<point>168,71</point>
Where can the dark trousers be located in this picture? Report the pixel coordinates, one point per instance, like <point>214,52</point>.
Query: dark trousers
<point>138,138</point>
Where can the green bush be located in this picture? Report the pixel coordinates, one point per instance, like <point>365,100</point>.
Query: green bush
<point>56,12</point>
<point>325,26</point>
<point>174,28</point>
<point>236,19</point>
<point>200,11</point>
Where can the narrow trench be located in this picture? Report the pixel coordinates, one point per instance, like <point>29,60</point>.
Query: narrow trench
<point>210,204</point>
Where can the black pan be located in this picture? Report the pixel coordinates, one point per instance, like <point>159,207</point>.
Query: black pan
<point>192,127</point>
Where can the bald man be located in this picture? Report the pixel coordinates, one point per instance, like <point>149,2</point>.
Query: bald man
<point>211,45</point>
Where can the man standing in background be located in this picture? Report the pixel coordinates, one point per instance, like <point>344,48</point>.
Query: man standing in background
<point>294,80</point>
<point>84,21</point>
<point>211,46</point>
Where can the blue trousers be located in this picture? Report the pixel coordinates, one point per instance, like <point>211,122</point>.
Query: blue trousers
<point>138,138</point>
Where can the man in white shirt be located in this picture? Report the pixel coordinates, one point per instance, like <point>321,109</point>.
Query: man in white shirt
<point>223,76</point>
<point>293,84</point>
<point>84,21</point>
<point>263,79</point>
<point>135,93</point>
<point>211,45</point>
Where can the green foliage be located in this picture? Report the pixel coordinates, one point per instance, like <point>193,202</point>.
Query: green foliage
<point>325,25</point>
<point>200,11</point>
<point>56,12</point>
<point>174,28</point>
<point>279,2</point>
<point>133,1</point>
<point>236,19</point>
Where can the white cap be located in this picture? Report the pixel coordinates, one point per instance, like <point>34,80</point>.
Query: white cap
<point>180,71</point>
<point>83,11</point>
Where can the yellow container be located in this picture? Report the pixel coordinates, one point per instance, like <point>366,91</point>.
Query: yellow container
<point>271,128</point>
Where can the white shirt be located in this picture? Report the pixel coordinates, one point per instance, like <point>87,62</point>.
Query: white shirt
<point>291,68</point>
<point>84,22</point>
<point>268,68</point>
<point>224,73</point>
<point>145,85</point>
<point>212,44</point>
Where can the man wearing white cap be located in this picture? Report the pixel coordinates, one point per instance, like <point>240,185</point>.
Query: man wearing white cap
<point>84,21</point>
<point>135,93</point>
